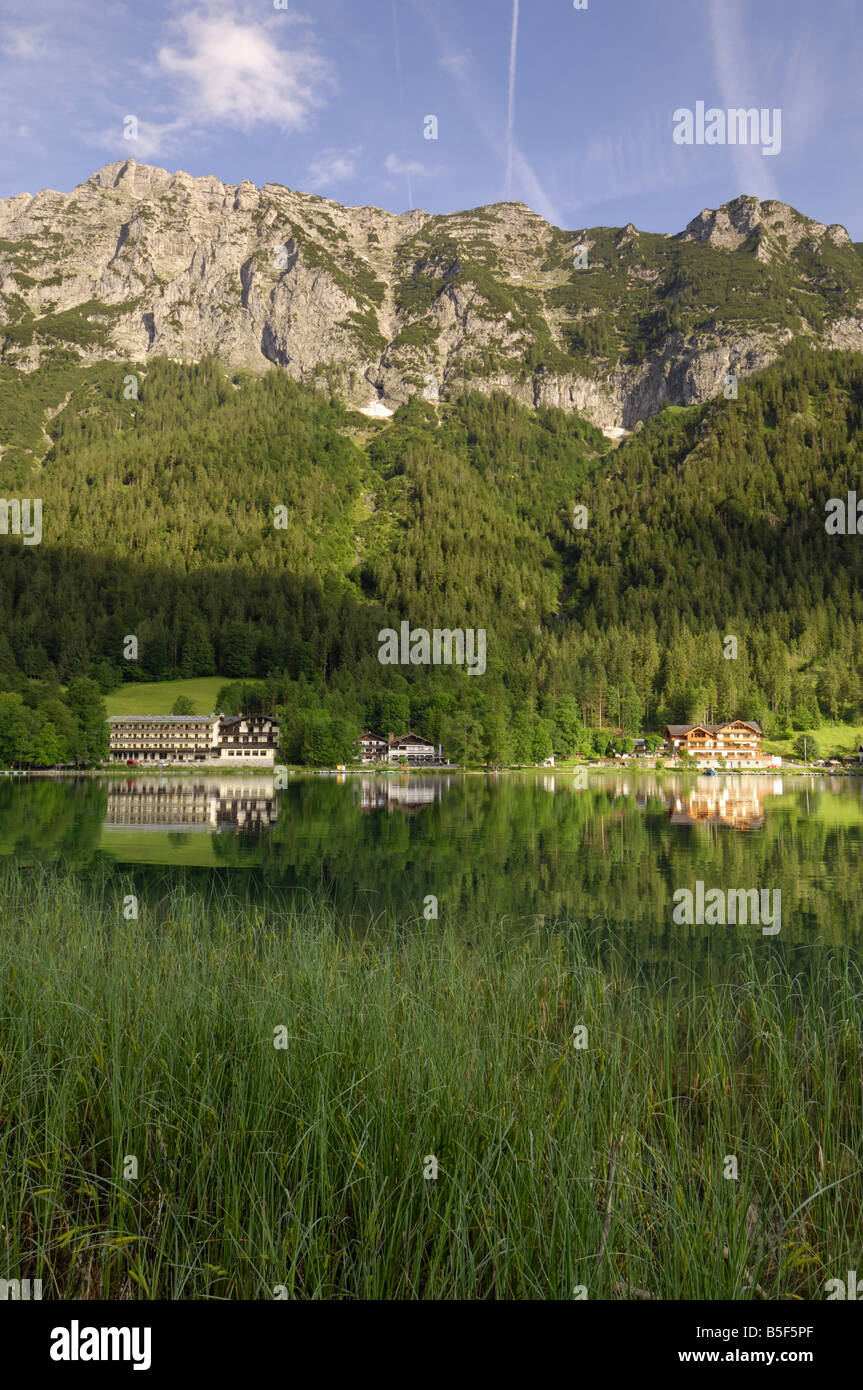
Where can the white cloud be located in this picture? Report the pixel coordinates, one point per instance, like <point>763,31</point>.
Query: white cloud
<point>235,72</point>
<point>411,167</point>
<point>333,166</point>
<point>24,43</point>
<point>225,65</point>
<point>453,63</point>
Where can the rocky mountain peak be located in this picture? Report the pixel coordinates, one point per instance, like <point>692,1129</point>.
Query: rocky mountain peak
<point>728,226</point>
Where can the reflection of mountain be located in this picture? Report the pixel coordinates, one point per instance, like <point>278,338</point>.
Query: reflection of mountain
<point>203,804</point>
<point>739,805</point>
<point>409,795</point>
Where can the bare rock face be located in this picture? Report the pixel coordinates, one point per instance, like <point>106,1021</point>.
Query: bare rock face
<point>138,262</point>
<point>729,227</point>
<point>846,334</point>
<point>726,227</point>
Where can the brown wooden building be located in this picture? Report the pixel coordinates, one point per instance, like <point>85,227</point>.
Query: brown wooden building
<point>738,741</point>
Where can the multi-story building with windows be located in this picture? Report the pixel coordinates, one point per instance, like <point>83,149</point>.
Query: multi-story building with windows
<point>410,748</point>
<point>193,738</point>
<point>248,736</point>
<point>738,741</point>
<point>373,748</point>
<point>407,748</point>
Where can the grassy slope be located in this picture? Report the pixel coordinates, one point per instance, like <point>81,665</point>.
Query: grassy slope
<point>832,739</point>
<point>157,697</point>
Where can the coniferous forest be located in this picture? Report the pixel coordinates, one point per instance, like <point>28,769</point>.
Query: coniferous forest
<point>252,527</point>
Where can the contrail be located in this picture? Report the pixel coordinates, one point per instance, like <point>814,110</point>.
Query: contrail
<point>479,104</point>
<point>510,114</point>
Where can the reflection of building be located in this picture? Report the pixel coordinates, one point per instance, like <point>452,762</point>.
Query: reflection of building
<point>740,806</point>
<point>383,794</point>
<point>194,738</point>
<point>737,741</point>
<point>183,805</point>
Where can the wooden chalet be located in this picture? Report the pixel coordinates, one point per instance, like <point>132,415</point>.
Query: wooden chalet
<point>739,740</point>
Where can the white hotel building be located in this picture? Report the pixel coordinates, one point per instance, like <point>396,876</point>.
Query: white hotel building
<point>251,739</point>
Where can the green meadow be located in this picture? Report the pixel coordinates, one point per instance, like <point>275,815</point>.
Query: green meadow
<point>228,1099</point>
<point>833,739</point>
<point>157,697</point>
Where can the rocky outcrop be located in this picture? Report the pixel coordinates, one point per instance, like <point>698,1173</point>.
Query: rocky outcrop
<point>138,262</point>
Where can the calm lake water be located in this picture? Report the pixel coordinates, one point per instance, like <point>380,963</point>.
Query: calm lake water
<point>514,846</point>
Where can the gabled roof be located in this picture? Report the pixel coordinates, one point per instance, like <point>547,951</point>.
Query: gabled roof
<point>410,737</point>
<point>378,738</point>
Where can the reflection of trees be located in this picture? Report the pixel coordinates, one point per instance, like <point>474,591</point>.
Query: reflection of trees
<point>43,819</point>
<point>238,848</point>
<point>508,848</point>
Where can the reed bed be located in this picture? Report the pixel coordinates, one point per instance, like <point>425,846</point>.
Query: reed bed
<point>303,1170</point>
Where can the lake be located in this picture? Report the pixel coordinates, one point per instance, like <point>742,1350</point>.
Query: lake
<point>515,846</point>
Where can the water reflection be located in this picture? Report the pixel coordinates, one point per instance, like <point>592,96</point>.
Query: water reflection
<point>213,804</point>
<point>738,802</point>
<point>608,848</point>
<point>734,801</point>
<point>189,804</point>
<point>739,806</point>
<point>407,794</point>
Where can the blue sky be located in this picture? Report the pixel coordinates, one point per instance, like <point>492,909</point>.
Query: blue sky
<point>570,111</point>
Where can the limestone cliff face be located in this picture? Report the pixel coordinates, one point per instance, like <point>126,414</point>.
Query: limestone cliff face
<point>139,262</point>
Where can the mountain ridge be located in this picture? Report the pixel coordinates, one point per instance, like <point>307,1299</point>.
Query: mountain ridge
<point>138,262</point>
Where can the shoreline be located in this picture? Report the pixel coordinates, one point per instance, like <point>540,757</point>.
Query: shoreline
<point>383,770</point>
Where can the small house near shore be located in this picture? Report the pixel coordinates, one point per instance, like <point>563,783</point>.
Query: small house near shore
<point>373,748</point>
